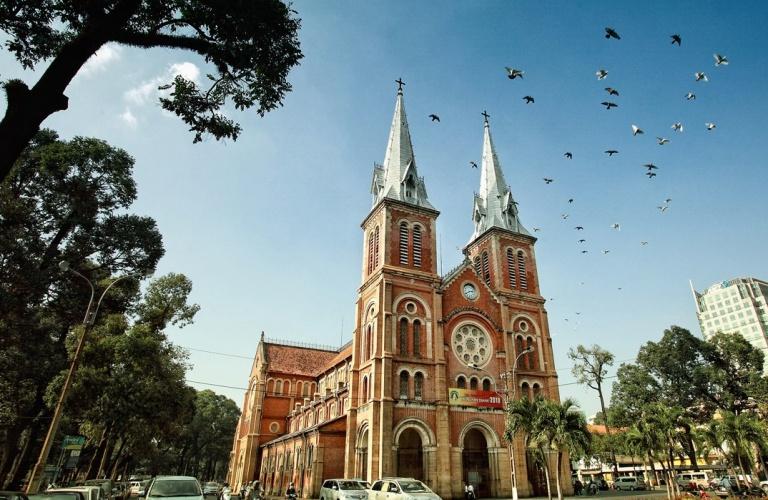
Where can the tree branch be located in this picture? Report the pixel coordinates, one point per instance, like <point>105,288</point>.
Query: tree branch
<point>149,40</point>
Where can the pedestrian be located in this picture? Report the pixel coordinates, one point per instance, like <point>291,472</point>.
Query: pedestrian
<point>577,487</point>
<point>226,492</point>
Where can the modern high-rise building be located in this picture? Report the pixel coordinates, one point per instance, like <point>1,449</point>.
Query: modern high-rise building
<point>735,306</point>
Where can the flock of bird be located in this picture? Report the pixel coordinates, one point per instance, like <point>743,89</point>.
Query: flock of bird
<point>651,170</point>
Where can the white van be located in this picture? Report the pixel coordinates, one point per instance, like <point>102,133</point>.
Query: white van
<point>630,483</point>
<point>700,478</point>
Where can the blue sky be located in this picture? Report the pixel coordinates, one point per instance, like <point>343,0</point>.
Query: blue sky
<point>267,227</point>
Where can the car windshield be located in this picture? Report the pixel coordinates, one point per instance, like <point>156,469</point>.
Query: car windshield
<point>413,487</point>
<point>175,488</point>
<point>350,485</point>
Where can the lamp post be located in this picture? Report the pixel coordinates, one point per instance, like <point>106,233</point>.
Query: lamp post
<point>527,350</point>
<point>88,321</point>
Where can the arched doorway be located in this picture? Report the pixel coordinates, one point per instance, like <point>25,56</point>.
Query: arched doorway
<point>410,458</point>
<point>362,455</point>
<point>474,459</point>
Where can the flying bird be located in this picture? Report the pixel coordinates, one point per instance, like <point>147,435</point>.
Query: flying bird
<point>564,216</point>
<point>601,74</point>
<point>609,104</point>
<point>474,165</point>
<point>699,75</point>
<point>636,130</point>
<point>528,99</point>
<point>536,229</point>
<point>582,241</point>
<point>720,60</point>
<point>570,200</point>
<point>676,39</point>
<point>513,73</point>
<point>579,228</point>
<point>548,180</point>
<point>710,125</point>
<point>568,155</point>
<point>611,152</point>
<point>606,251</point>
<point>435,118</point>
<point>667,200</point>
<point>611,33</point>
<point>663,208</point>
<point>690,96</point>
<point>616,226</point>
<point>650,166</point>
<point>585,251</point>
<point>677,127</point>
<point>612,91</point>
<point>643,243</point>
<point>650,175</point>
<point>662,140</point>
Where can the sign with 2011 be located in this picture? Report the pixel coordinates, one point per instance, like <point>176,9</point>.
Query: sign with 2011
<point>479,399</point>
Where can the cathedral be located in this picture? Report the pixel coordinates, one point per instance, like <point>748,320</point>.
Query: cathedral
<point>420,390</point>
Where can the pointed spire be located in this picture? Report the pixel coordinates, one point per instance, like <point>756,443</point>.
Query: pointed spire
<point>494,204</point>
<point>398,178</point>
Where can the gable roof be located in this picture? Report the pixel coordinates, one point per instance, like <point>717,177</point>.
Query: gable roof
<point>303,361</point>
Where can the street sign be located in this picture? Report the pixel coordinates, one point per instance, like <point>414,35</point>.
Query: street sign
<point>73,442</point>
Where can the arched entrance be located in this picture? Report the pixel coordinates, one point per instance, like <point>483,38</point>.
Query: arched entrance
<point>410,458</point>
<point>474,458</point>
<point>362,455</point>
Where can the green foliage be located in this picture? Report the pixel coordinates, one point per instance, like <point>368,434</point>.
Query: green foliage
<point>590,365</point>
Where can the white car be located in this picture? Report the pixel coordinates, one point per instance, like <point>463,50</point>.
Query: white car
<point>630,483</point>
<point>343,489</point>
<point>179,487</point>
<point>401,488</point>
<point>88,492</point>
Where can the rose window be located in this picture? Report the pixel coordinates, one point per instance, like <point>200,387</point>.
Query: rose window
<point>471,345</point>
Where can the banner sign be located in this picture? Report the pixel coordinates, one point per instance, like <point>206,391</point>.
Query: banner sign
<point>478,399</point>
<point>73,442</point>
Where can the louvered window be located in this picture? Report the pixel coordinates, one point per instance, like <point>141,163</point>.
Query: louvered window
<point>376,247</point>
<point>404,385</point>
<point>370,252</point>
<point>511,268</point>
<point>521,270</point>
<point>477,266</point>
<point>418,386</point>
<point>403,243</point>
<point>417,338</point>
<point>486,271</point>
<point>403,337</point>
<point>417,246</point>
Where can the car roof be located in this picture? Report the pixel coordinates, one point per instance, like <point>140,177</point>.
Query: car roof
<point>165,478</point>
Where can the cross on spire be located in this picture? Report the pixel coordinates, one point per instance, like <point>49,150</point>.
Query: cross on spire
<point>485,116</point>
<point>400,84</point>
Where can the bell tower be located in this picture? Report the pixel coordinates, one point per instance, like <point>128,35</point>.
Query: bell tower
<point>396,300</point>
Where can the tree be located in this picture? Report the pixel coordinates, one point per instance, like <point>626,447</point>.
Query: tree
<point>66,200</point>
<point>590,367</point>
<point>252,44</point>
<point>523,416</point>
<point>737,434</point>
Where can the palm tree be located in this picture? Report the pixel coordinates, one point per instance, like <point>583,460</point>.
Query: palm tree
<point>738,433</point>
<point>562,429</point>
<point>666,422</point>
<point>523,416</point>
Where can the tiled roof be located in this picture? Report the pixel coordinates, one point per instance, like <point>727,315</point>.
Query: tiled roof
<point>341,356</point>
<point>298,360</point>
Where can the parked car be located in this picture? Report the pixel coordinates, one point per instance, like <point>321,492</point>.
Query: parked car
<point>61,495</point>
<point>211,488</point>
<point>400,488</point>
<point>179,487</point>
<point>13,495</point>
<point>630,483</point>
<point>343,489</point>
<point>137,488</point>
<point>104,484</point>
<point>729,487</point>
<point>692,480</point>
<point>88,492</point>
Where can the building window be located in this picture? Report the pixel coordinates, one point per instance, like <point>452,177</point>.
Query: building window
<point>417,246</point>
<point>536,390</point>
<point>486,385</point>
<point>525,390</point>
<point>376,247</point>
<point>418,386</point>
<point>403,337</point>
<point>521,270</point>
<point>511,268</point>
<point>461,382</point>
<point>417,338</point>
<point>473,383</point>
<point>279,387</point>
<point>478,270</point>
<point>365,389</point>
<point>370,253</point>
<point>404,385</point>
<point>531,355</point>
<point>486,271</point>
<point>368,341</point>
<point>404,243</point>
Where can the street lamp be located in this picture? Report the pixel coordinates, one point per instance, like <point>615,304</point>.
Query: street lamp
<point>527,350</point>
<point>88,321</point>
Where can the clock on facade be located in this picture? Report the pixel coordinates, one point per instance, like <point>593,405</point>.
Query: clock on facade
<point>469,291</point>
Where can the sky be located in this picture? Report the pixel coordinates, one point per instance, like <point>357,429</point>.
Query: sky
<point>268,227</point>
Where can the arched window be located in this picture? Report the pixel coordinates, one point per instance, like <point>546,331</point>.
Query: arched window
<point>376,247</point>
<point>519,347</point>
<point>521,270</point>
<point>536,390</point>
<point>365,389</point>
<point>279,387</point>
<point>368,339</point>
<point>404,385</point>
<point>461,382</point>
<point>525,390</point>
<point>332,412</point>
<point>370,253</point>
<point>473,383</point>
<point>417,338</point>
<point>486,270</point>
<point>305,389</point>
<point>478,269</point>
<point>403,337</point>
<point>287,387</point>
<point>531,355</point>
<point>309,456</point>
<point>418,386</point>
<point>404,243</point>
<point>511,268</point>
<point>417,246</point>
<point>486,384</point>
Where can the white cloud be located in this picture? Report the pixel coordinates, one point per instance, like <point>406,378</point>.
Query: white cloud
<point>147,90</point>
<point>103,57</point>
<point>129,118</point>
